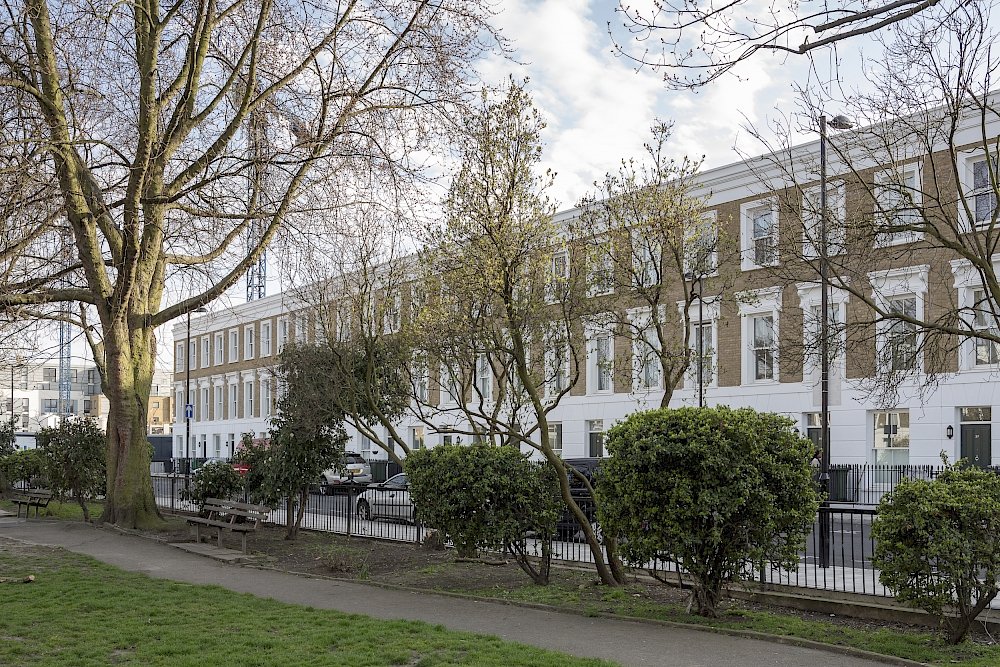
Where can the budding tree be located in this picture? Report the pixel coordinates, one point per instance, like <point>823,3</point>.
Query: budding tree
<point>503,333</point>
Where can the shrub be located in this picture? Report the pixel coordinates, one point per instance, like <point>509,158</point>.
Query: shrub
<point>215,479</point>
<point>486,497</point>
<point>26,466</point>
<point>714,490</point>
<point>937,544</point>
<point>76,460</point>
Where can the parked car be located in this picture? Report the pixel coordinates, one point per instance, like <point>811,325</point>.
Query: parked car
<point>568,528</point>
<point>351,469</point>
<point>209,461</point>
<point>389,500</point>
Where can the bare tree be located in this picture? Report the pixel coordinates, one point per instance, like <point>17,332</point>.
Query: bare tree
<point>913,217</point>
<point>694,43</point>
<point>649,249</point>
<point>159,138</point>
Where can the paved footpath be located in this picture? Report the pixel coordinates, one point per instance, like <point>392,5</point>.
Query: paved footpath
<point>623,642</point>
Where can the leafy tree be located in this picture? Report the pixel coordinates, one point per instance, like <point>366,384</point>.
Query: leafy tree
<point>307,437</point>
<point>215,479</point>
<point>937,545</point>
<point>74,454</point>
<point>6,451</point>
<point>176,152</point>
<point>486,497</point>
<point>714,490</point>
<point>27,466</point>
<point>361,380</point>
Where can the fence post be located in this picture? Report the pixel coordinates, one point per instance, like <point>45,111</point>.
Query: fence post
<point>350,507</point>
<point>173,484</point>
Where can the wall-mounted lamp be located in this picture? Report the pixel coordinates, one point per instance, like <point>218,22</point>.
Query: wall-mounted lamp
<point>950,431</point>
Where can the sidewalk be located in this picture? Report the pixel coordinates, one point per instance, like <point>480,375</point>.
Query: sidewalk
<point>624,642</point>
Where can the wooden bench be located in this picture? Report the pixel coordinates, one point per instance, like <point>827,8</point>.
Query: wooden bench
<point>29,498</point>
<point>231,515</point>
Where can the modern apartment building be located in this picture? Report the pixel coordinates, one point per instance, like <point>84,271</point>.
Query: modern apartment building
<point>34,387</point>
<point>753,318</point>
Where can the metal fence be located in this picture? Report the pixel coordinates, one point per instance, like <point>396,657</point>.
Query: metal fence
<point>380,511</point>
<point>864,484</point>
<point>385,512</point>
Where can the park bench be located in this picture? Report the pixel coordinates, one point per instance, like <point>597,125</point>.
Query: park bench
<point>223,515</point>
<point>29,498</point>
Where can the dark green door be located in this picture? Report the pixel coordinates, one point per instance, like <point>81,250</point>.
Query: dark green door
<point>977,444</point>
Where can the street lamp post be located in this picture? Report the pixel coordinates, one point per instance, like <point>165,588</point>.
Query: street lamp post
<point>837,123</point>
<point>701,342</point>
<point>187,397</point>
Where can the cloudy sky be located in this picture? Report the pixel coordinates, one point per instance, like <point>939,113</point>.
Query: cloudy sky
<point>599,108</point>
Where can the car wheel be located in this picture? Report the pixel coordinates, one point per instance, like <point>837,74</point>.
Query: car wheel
<point>364,512</point>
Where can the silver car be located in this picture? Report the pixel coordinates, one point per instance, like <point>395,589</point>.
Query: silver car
<point>351,469</point>
<point>389,500</point>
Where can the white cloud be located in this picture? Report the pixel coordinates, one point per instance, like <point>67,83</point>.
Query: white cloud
<point>599,108</point>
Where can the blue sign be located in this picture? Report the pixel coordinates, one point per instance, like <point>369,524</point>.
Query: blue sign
<point>189,411</point>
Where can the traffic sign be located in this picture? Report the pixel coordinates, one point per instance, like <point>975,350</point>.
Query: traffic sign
<point>189,411</point>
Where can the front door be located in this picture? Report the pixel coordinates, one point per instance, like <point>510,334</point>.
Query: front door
<point>977,444</point>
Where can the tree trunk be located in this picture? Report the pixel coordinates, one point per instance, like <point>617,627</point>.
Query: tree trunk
<point>129,357</point>
<point>83,506</point>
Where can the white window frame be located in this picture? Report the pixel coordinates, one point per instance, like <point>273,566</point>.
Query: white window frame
<point>418,437</point>
<point>600,268</point>
<point>265,338</point>
<point>558,275</point>
<point>711,309</point>
<point>967,282</point>
<point>450,386</point>
<point>647,256</point>
<point>220,402</point>
<point>894,450</point>
<point>248,342</point>
<point>421,382</point>
<point>206,351</point>
<point>234,400</point>
<point>708,225</point>
<point>203,404</point>
<point>753,304</point>
<point>484,377</point>
<point>885,182</point>
<point>248,411</point>
<point>265,396</point>
<point>595,426</point>
<point>234,345</point>
<point>810,298</point>
<point>179,356</point>
<point>836,227</point>
<point>645,353</point>
<point>554,378</point>
<point>556,438</point>
<point>193,353</point>
<point>282,334</point>
<point>220,349</point>
<point>600,371</point>
<point>890,285</point>
<point>748,211</point>
<point>967,182</point>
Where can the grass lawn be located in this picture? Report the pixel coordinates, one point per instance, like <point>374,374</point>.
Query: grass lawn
<point>922,646</point>
<point>81,612</point>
